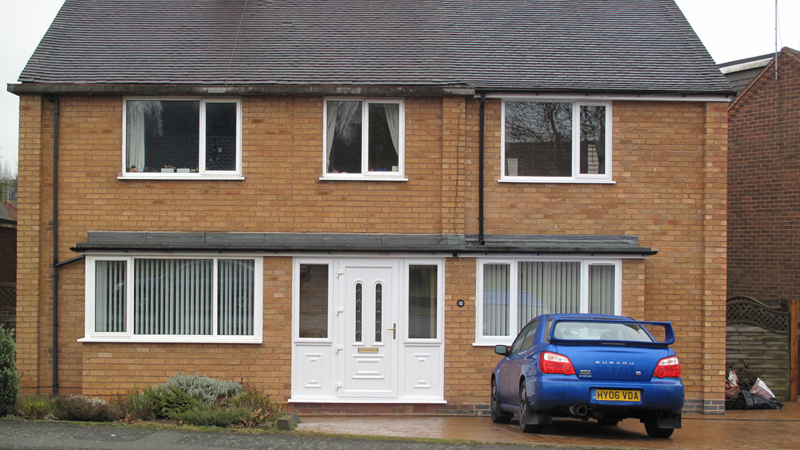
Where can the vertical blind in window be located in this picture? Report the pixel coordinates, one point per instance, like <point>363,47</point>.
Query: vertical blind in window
<point>236,297</point>
<point>110,296</point>
<point>602,287</point>
<point>548,287</point>
<point>173,296</point>
<point>496,293</point>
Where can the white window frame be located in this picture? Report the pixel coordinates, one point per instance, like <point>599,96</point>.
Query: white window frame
<point>481,340</point>
<point>202,173</point>
<point>129,336</point>
<point>365,173</point>
<point>576,176</point>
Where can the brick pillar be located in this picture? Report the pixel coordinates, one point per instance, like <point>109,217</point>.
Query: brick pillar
<point>29,257</point>
<point>715,257</point>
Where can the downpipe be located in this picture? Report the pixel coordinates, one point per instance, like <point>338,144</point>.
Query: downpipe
<point>56,117</point>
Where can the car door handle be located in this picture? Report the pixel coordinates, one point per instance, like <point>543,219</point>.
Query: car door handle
<point>393,330</point>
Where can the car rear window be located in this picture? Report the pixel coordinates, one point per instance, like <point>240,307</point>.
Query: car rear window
<point>601,331</point>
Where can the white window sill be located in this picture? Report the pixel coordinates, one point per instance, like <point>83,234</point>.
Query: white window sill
<point>179,176</point>
<point>356,177</point>
<point>401,401</point>
<point>173,339</point>
<point>553,181</point>
<point>507,341</point>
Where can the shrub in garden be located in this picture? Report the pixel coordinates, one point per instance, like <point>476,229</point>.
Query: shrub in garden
<point>34,407</point>
<point>262,408</point>
<point>167,398</point>
<point>135,406</point>
<point>212,415</point>
<point>85,409</point>
<point>203,389</point>
<point>9,379</point>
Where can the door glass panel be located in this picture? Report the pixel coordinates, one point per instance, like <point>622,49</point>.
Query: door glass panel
<point>422,302</point>
<point>359,306</point>
<point>313,300</point>
<point>378,311</point>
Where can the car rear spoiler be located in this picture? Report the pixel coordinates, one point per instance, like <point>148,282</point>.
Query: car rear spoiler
<point>669,334</point>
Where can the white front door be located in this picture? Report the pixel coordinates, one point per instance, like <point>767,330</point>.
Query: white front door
<point>370,334</point>
<point>368,330</point>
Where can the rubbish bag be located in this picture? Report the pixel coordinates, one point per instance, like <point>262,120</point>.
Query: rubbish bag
<point>760,388</point>
<point>753,401</point>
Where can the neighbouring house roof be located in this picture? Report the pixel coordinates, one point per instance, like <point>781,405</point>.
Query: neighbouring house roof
<point>767,70</point>
<point>741,72</point>
<point>359,243</point>
<point>8,212</point>
<point>609,46</point>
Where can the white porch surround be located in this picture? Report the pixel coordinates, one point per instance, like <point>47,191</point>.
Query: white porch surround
<point>357,363</point>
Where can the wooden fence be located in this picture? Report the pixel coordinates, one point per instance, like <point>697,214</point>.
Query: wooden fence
<point>764,335</point>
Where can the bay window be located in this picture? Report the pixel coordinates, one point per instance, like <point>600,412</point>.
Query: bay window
<point>556,141</point>
<point>512,292</point>
<point>174,299</point>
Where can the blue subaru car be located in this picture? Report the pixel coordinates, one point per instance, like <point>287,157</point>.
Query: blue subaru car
<point>589,366</point>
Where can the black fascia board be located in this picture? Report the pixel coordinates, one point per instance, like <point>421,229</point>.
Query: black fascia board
<point>447,90</point>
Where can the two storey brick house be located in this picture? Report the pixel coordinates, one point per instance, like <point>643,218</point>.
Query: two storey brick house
<point>349,203</point>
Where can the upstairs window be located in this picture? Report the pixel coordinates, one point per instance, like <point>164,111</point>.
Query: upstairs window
<point>364,139</point>
<point>559,141</point>
<point>183,138</point>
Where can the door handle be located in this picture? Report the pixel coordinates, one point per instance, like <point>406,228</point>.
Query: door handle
<point>393,330</point>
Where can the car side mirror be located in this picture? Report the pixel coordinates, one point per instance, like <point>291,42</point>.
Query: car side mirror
<point>501,350</point>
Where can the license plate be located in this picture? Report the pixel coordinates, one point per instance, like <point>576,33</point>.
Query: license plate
<point>617,395</point>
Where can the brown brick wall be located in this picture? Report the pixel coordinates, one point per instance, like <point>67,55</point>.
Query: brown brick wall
<point>764,140</point>
<point>669,190</point>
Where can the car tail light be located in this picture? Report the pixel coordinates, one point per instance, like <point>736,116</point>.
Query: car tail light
<point>668,368</point>
<point>555,363</point>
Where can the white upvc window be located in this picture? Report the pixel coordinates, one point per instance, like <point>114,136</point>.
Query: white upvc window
<point>158,298</point>
<point>556,141</point>
<point>182,138</point>
<point>510,292</point>
<point>363,139</point>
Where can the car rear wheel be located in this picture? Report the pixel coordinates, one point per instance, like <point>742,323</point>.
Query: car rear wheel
<point>651,426</point>
<point>498,415</point>
<point>525,413</point>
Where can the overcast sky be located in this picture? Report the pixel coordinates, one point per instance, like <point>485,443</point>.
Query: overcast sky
<point>730,30</point>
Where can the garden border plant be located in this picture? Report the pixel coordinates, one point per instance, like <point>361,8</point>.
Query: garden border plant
<point>183,399</point>
<point>9,378</point>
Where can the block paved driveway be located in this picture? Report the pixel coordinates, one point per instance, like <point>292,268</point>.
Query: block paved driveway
<point>751,430</point>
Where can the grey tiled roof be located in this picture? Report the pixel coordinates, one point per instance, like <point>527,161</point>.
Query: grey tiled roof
<point>630,46</point>
<point>358,243</point>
